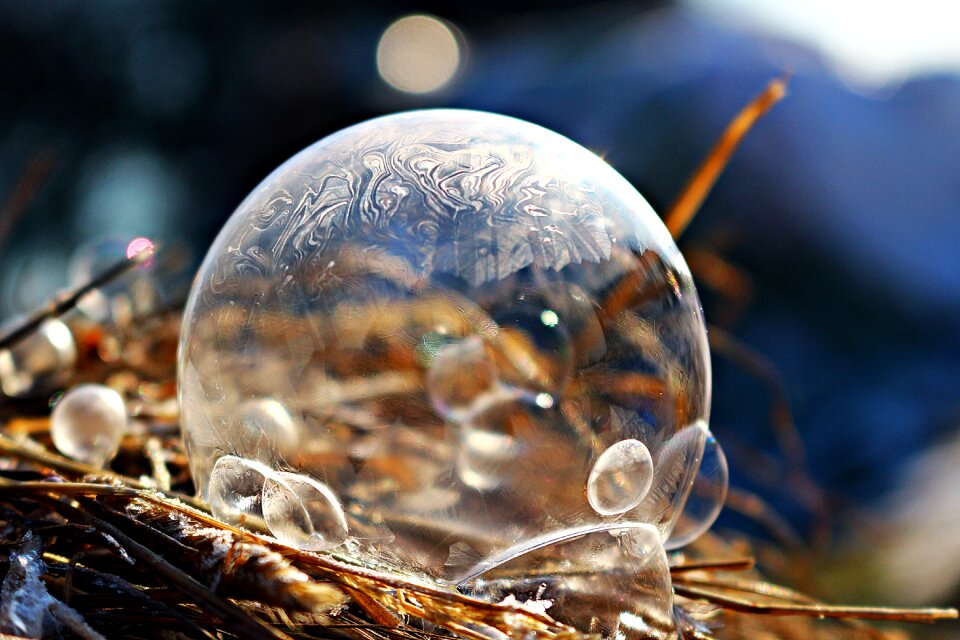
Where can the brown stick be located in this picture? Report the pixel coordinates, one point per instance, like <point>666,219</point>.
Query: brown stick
<point>68,299</point>
<point>816,610</point>
<point>693,195</point>
<point>736,564</point>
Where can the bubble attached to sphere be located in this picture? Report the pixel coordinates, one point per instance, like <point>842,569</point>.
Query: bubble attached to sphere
<point>303,512</point>
<point>235,489</point>
<point>492,347</point>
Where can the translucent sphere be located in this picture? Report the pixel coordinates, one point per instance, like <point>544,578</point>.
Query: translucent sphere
<point>39,362</point>
<point>472,349</point>
<point>88,423</point>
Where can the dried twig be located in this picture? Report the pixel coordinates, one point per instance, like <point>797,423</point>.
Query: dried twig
<point>67,300</point>
<point>693,195</point>
<point>815,610</point>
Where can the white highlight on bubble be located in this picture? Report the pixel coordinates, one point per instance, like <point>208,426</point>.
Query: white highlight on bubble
<point>418,54</point>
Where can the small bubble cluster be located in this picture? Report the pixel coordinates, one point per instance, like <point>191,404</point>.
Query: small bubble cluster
<point>298,510</point>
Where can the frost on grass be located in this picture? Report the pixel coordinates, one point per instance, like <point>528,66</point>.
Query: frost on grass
<point>26,608</point>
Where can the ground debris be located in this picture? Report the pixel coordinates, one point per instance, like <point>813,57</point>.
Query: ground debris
<point>240,568</point>
<point>26,607</point>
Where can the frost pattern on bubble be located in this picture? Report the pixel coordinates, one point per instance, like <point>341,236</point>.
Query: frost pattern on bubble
<point>489,348</point>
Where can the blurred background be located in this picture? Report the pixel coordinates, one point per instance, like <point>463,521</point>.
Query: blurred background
<point>830,247</point>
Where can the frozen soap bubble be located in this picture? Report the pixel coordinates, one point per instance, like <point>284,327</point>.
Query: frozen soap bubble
<point>490,351</point>
<point>88,423</point>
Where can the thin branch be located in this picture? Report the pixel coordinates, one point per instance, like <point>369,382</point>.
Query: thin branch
<point>737,564</point>
<point>693,195</point>
<point>816,610</point>
<point>68,299</point>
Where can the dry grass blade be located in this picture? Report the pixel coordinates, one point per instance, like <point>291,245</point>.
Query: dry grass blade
<point>785,429</point>
<point>815,610</point>
<point>230,564</point>
<point>232,617</point>
<point>693,195</point>
<point>74,469</point>
<point>734,564</point>
<point>156,529</point>
<point>381,595</point>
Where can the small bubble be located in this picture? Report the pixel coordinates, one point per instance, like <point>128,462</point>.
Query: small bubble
<point>40,361</point>
<point>88,423</point>
<point>686,460</point>
<point>706,497</point>
<point>620,478</point>
<point>235,487</point>
<point>303,512</point>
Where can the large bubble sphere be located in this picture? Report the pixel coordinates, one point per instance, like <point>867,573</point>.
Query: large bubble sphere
<point>478,344</point>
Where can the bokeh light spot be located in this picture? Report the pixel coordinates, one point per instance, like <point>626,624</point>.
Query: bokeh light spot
<point>544,400</point>
<point>139,245</point>
<point>418,54</point>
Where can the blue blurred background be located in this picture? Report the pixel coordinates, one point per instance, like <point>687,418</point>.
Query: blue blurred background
<point>831,244</point>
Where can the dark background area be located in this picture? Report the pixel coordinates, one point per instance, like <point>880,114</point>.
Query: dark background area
<point>841,211</point>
